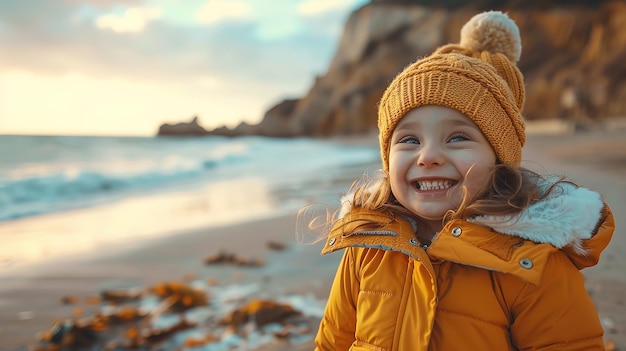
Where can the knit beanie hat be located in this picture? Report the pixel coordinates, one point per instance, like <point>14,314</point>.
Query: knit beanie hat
<point>477,77</point>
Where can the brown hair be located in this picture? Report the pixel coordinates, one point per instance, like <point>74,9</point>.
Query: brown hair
<point>510,189</point>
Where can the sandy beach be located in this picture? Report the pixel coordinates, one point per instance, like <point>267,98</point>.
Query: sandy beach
<point>31,300</point>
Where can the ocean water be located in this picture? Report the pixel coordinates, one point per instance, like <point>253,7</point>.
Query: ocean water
<point>93,191</point>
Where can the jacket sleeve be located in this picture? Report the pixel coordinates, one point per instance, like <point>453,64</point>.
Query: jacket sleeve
<point>338,325</point>
<point>557,314</point>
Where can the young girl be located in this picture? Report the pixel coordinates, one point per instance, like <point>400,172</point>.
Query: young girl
<point>455,246</point>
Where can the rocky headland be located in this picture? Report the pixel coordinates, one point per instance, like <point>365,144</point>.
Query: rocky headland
<point>572,59</point>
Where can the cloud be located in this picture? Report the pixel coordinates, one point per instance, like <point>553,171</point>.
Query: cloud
<point>273,42</point>
<point>216,11</point>
<point>132,20</point>
<point>102,3</point>
<point>249,57</point>
<point>316,7</point>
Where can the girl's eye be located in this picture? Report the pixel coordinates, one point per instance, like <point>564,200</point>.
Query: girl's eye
<point>409,140</point>
<point>459,137</point>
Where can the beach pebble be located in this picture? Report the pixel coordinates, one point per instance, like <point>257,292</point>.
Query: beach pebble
<point>122,295</point>
<point>70,300</point>
<point>230,258</point>
<point>260,312</point>
<point>275,245</point>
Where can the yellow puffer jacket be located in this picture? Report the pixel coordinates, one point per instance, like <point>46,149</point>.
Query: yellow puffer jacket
<point>473,288</point>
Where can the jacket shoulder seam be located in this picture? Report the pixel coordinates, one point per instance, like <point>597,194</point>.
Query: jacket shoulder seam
<point>378,292</point>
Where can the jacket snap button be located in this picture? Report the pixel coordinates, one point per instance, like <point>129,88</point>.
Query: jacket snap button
<point>526,263</point>
<point>456,231</point>
<point>413,242</point>
<point>331,242</point>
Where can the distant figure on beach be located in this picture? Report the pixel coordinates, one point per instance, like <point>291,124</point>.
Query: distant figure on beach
<point>577,106</point>
<point>455,245</point>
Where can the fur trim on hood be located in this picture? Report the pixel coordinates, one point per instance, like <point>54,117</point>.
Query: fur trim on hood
<point>567,216</point>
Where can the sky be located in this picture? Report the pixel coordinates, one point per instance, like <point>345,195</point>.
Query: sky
<point>124,67</point>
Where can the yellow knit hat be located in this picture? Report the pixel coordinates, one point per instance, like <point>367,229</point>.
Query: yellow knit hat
<point>477,77</point>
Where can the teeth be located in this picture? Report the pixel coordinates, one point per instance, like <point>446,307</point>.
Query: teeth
<point>433,184</point>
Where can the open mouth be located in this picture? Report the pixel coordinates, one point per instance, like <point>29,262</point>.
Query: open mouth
<point>442,184</point>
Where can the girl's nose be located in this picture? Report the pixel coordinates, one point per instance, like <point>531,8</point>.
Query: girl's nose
<point>430,156</point>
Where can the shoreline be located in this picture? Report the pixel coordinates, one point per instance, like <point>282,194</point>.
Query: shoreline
<point>30,302</point>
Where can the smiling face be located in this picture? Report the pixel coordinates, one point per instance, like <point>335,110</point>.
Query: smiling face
<point>434,151</point>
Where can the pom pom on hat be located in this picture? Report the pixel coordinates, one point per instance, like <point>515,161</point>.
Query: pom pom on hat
<point>492,31</point>
<point>478,77</point>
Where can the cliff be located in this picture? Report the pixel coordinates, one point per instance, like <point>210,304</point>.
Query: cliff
<point>572,60</point>
<point>191,128</point>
